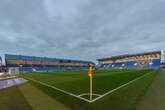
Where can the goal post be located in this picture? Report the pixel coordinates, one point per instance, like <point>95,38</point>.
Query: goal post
<point>13,70</point>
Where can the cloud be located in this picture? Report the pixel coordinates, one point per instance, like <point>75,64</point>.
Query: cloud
<point>86,29</point>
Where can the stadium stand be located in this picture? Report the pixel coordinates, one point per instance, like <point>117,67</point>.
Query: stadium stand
<point>43,64</point>
<point>131,61</point>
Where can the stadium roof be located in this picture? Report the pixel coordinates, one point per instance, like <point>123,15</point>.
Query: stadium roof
<point>34,58</point>
<point>127,55</point>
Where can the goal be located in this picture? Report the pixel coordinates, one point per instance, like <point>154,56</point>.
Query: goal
<point>13,70</point>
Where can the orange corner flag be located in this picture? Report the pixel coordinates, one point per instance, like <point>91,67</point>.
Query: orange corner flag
<point>90,71</point>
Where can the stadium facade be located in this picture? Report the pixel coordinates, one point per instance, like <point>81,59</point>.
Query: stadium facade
<point>155,59</point>
<point>0,61</point>
<point>42,64</point>
<point>0,64</point>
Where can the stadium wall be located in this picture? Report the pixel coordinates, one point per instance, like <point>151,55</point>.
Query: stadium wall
<point>0,61</point>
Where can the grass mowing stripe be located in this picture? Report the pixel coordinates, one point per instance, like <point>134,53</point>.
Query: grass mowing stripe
<point>130,82</point>
<point>41,101</point>
<point>58,89</point>
<point>101,84</point>
<point>13,99</point>
<point>78,96</point>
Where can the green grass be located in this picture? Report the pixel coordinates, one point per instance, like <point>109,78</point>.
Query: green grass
<point>28,97</point>
<point>77,83</point>
<point>38,100</point>
<point>154,99</point>
<point>13,99</point>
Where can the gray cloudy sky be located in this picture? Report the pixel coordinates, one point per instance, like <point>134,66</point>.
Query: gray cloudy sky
<point>81,29</point>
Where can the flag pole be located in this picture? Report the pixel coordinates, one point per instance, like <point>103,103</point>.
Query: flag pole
<point>91,84</point>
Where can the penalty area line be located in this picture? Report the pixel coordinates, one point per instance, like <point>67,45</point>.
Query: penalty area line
<point>55,88</point>
<point>111,91</point>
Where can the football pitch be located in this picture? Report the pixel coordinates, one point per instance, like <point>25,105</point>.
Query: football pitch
<point>112,89</point>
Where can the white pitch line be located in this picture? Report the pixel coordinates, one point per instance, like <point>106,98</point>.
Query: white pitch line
<point>88,94</point>
<point>79,97</point>
<point>109,92</point>
<point>68,93</point>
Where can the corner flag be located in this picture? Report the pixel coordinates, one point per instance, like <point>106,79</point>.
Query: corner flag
<point>90,73</point>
